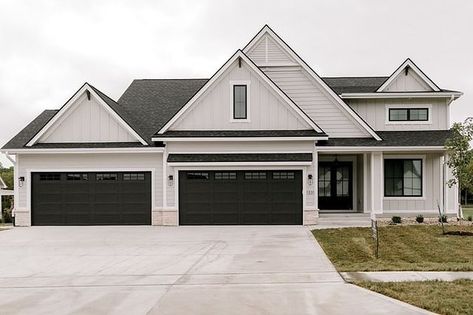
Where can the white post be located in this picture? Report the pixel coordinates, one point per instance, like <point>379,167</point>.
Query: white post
<point>315,176</point>
<point>365,182</point>
<point>1,209</point>
<point>377,187</point>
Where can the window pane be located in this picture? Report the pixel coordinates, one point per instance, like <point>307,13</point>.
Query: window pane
<point>198,175</point>
<point>403,177</point>
<point>418,114</point>
<point>398,114</point>
<point>239,101</point>
<point>255,175</point>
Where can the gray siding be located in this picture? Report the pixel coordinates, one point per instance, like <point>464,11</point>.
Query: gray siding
<point>267,52</point>
<point>373,111</point>
<point>409,82</point>
<point>311,97</point>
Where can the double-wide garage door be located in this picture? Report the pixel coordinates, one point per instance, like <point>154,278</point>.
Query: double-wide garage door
<point>85,198</point>
<point>240,197</point>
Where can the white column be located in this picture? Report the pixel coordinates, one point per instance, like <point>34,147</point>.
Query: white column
<point>1,209</point>
<point>365,183</point>
<point>377,182</point>
<point>315,176</point>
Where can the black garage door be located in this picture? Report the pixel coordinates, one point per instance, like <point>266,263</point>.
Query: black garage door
<point>240,197</point>
<point>109,198</point>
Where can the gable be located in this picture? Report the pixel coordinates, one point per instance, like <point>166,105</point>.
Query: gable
<point>408,78</point>
<point>308,90</point>
<point>408,81</point>
<point>268,52</point>
<point>266,109</point>
<point>87,121</point>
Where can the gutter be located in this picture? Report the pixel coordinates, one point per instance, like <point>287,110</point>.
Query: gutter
<point>83,150</point>
<point>453,95</point>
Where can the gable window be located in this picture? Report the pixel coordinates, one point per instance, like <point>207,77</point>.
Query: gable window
<point>402,177</point>
<point>240,102</point>
<point>408,114</point>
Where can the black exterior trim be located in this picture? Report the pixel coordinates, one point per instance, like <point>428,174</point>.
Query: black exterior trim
<point>239,133</point>
<point>251,157</point>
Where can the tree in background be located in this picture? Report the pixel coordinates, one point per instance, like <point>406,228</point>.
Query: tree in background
<point>7,175</point>
<point>460,157</point>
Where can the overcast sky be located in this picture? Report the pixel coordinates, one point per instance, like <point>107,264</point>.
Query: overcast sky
<point>48,49</point>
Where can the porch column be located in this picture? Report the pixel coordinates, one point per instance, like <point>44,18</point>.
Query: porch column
<point>315,176</point>
<point>366,182</point>
<point>377,182</point>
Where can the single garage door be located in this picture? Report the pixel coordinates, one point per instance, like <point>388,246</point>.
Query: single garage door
<point>108,198</point>
<point>240,197</point>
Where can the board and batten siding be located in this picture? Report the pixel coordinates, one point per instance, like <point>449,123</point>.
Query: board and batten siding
<point>86,162</point>
<point>410,82</point>
<point>316,102</point>
<point>374,112</point>
<point>266,110</point>
<point>87,121</point>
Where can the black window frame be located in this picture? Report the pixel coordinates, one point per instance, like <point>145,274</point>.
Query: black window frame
<point>402,161</point>
<point>246,101</point>
<point>408,118</point>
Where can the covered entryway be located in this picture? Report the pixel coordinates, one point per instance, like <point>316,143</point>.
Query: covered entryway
<point>240,197</point>
<point>91,198</point>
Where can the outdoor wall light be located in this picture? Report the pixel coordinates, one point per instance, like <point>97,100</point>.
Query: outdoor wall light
<point>310,179</point>
<point>170,180</point>
<point>21,180</point>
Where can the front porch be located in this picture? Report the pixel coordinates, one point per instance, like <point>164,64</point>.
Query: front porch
<point>359,183</point>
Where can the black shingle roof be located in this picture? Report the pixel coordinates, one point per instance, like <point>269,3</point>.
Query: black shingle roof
<point>25,135</point>
<point>239,133</point>
<point>394,139</point>
<point>153,102</point>
<point>355,84</point>
<point>147,105</point>
<point>252,157</point>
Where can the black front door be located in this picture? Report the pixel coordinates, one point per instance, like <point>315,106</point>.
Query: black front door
<point>335,186</point>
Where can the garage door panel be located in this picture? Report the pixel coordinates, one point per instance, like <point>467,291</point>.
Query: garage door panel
<point>240,197</point>
<point>91,198</point>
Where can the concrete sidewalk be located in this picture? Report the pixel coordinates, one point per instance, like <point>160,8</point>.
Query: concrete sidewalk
<point>401,276</point>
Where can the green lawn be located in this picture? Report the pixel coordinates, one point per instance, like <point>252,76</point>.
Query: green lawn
<point>436,296</point>
<point>411,247</point>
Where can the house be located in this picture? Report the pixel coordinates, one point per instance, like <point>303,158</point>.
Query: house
<point>265,140</point>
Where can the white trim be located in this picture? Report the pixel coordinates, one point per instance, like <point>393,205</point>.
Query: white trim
<point>219,73</point>
<point>365,183</point>
<point>412,66</point>
<point>248,89</point>
<point>70,103</point>
<point>85,169</point>
<point>86,150</point>
<point>455,95</point>
<point>242,139</point>
<point>315,76</point>
<point>219,164</point>
<point>408,122</point>
<point>3,186</point>
<point>381,148</point>
<point>423,184</point>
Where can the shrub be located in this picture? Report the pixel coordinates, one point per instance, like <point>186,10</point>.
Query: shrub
<point>443,218</point>
<point>470,218</point>
<point>420,218</point>
<point>396,219</point>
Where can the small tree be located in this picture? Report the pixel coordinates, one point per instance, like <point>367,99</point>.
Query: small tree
<point>460,156</point>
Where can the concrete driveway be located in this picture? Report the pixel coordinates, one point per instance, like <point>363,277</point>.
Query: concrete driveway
<point>175,270</point>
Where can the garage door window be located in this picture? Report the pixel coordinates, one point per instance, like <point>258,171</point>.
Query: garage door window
<point>198,175</point>
<point>50,176</point>
<point>77,177</point>
<point>225,175</point>
<point>255,175</point>
<point>283,175</point>
<point>107,176</point>
<point>134,176</point>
